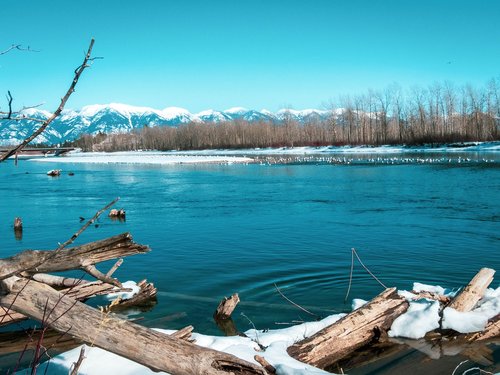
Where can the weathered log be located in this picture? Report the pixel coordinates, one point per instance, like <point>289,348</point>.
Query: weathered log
<point>79,292</point>
<point>57,281</point>
<point>13,342</point>
<point>153,349</point>
<point>36,261</point>
<point>474,291</point>
<point>263,362</point>
<point>360,327</point>
<point>18,224</point>
<point>184,334</point>
<point>145,297</point>
<point>8,317</point>
<point>226,307</point>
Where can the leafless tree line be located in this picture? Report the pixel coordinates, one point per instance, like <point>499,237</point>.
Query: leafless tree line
<point>440,113</point>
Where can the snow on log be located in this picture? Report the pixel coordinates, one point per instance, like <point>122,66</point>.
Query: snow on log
<point>473,292</point>
<point>153,349</point>
<point>360,327</point>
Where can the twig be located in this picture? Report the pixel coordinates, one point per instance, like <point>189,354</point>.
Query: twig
<point>87,224</point>
<point>295,304</point>
<point>353,251</point>
<point>76,365</point>
<point>350,276</point>
<point>257,341</point>
<point>93,271</point>
<point>58,111</point>
<point>18,47</point>
<point>114,268</point>
<point>367,270</point>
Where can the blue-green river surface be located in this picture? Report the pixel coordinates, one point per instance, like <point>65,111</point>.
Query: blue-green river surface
<point>219,229</point>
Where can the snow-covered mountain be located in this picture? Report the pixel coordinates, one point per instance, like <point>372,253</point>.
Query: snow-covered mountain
<point>116,117</point>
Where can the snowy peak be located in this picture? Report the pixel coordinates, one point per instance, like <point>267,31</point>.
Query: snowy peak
<point>118,117</point>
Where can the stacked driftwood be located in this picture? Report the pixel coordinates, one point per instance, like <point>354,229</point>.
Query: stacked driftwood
<point>27,290</point>
<point>361,336</point>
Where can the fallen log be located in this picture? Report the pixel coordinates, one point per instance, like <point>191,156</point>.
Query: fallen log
<point>360,327</point>
<point>79,292</point>
<point>57,281</point>
<point>150,348</point>
<point>78,257</point>
<point>473,292</point>
<point>14,342</point>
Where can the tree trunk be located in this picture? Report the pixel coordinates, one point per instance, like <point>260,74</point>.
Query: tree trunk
<point>155,350</point>
<point>353,331</point>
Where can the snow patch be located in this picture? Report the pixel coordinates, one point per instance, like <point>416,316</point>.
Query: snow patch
<point>124,295</point>
<point>421,317</point>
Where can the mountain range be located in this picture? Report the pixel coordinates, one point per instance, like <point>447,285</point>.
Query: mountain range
<point>115,117</point>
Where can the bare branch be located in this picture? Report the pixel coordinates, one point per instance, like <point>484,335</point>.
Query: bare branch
<point>93,271</point>
<point>76,365</point>
<point>295,304</point>
<point>18,47</point>
<point>58,111</point>
<point>87,224</point>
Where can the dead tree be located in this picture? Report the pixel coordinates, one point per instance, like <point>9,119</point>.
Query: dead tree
<point>45,123</point>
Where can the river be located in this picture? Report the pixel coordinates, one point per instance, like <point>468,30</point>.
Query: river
<point>219,229</point>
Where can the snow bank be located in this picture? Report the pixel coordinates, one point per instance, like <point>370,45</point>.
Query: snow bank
<point>421,317</point>
<point>157,158</point>
<point>99,361</point>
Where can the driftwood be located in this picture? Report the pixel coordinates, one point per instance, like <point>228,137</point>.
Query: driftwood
<point>184,334</point>
<point>13,342</point>
<point>222,315</point>
<point>262,361</point>
<point>353,331</point>
<point>57,281</point>
<point>155,350</point>
<point>474,291</point>
<point>79,292</point>
<point>18,224</point>
<point>54,172</point>
<point>145,297</point>
<point>114,213</point>
<point>79,257</point>
<point>226,307</point>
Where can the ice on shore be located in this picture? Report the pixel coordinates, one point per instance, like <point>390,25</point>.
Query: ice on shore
<point>421,317</point>
<point>155,158</point>
<point>99,361</point>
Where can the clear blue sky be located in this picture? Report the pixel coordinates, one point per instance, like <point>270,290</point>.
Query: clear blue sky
<point>252,53</point>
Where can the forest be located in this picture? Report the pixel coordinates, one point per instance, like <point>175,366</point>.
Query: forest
<point>439,113</point>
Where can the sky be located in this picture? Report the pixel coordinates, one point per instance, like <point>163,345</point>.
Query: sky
<point>256,54</point>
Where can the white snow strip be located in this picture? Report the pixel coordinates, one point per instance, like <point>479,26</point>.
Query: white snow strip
<point>143,158</point>
<point>99,361</point>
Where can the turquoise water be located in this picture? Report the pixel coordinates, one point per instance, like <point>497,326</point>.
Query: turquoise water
<point>219,229</point>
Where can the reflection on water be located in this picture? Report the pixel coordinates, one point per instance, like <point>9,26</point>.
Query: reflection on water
<point>215,230</point>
